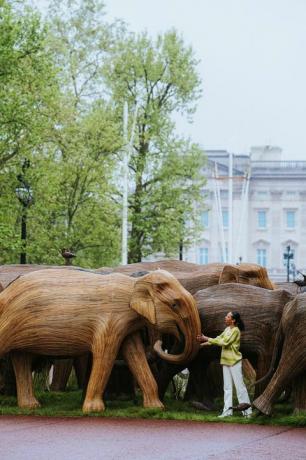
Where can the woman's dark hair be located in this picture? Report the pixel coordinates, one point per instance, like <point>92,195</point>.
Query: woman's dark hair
<point>238,321</point>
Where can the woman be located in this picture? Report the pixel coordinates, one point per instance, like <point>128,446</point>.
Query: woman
<point>231,361</point>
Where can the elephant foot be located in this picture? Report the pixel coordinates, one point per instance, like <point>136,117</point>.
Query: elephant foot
<point>30,403</point>
<point>263,405</point>
<point>93,405</point>
<point>156,404</point>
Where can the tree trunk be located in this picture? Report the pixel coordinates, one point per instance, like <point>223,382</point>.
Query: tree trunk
<point>136,235</point>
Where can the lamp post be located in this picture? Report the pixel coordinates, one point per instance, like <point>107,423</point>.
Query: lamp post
<point>24,194</point>
<point>287,257</point>
<point>181,250</point>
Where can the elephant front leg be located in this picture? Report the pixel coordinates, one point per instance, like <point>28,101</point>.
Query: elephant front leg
<point>103,358</point>
<point>135,357</point>
<point>22,363</point>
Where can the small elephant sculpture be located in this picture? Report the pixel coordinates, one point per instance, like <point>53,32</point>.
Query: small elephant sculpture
<point>68,313</point>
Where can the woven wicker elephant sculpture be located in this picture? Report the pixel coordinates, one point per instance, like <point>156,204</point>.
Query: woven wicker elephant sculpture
<point>53,313</point>
<point>291,368</point>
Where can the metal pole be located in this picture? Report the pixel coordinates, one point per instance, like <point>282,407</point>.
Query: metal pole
<point>125,187</point>
<point>230,209</point>
<point>288,262</point>
<point>219,214</point>
<point>23,254</point>
<point>242,223</point>
<point>126,158</point>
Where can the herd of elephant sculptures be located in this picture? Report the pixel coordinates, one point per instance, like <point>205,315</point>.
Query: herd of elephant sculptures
<point>95,320</point>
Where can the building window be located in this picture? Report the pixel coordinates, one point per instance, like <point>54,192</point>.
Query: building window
<point>262,219</point>
<point>290,219</point>
<point>222,260</point>
<point>262,194</point>
<point>262,257</point>
<point>203,256</point>
<point>225,218</point>
<point>204,219</point>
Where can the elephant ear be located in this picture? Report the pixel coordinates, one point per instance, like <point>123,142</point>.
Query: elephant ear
<point>229,274</point>
<point>142,301</point>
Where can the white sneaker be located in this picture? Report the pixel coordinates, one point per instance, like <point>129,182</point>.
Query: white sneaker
<point>224,415</point>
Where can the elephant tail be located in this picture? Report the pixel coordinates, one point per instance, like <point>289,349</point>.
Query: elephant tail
<point>279,340</point>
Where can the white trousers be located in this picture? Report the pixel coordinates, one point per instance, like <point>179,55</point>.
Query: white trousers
<point>234,374</point>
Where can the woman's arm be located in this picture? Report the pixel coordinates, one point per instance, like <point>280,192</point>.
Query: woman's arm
<point>224,340</point>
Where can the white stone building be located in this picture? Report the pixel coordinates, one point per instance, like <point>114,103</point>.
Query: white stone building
<point>266,202</point>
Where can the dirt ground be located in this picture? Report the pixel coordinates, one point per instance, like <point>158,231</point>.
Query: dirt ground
<point>43,438</point>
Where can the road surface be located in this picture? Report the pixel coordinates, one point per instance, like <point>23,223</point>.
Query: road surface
<point>91,438</point>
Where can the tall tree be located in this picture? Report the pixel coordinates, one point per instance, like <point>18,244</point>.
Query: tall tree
<point>28,89</point>
<point>27,81</point>
<point>85,138</point>
<point>74,137</point>
<point>165,170</point>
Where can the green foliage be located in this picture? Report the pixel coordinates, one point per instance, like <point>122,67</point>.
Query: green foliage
<point>76,210</point>
<point>26,82</point>
<point>69,404</point>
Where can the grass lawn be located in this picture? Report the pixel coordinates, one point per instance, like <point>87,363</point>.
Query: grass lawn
<point>69,404</point>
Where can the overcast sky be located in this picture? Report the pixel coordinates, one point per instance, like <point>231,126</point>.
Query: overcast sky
<point>253,67</point>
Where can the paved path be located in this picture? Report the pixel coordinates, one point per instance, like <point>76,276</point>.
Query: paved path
<point>43,438</point>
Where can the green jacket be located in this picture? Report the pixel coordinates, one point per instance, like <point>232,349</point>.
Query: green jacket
<point>229,340</point>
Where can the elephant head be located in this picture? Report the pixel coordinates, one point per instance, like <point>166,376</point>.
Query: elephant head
<point>253,274</point>
<point>166,305</point>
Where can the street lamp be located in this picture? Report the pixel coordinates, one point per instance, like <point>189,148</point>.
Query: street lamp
<point>24,194</point>
<point>287,257</point>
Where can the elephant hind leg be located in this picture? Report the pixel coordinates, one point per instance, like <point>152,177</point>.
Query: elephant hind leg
<point>61,372</point>
<point>22,363</point>
<point>287,370</point>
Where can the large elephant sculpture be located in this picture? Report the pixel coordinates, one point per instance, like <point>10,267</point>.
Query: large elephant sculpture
<point>291,369</point>
<point>195,277</point>
<point>57,313</point>
<point>261,310</point>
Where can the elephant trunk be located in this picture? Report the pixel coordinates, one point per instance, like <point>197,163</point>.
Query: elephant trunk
<point>189,324</point>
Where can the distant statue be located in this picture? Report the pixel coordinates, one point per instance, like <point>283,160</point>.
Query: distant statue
<point>68,256</point>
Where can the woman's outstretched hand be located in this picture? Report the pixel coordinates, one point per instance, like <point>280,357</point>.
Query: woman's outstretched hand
<point>202,338</point>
